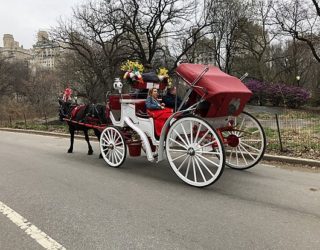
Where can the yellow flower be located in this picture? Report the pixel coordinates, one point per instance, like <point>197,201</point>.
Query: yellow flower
<point>132,66</point>
<point>163,72</point>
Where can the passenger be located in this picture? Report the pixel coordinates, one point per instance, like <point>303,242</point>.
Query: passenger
<point>171,100</point>
<point>152,100</point>
<point>157,111</point>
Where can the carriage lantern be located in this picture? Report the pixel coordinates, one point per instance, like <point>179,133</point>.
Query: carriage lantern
<point>117,85</point>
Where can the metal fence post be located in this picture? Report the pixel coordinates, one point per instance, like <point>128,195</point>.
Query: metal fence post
<point>279,134</point>
<point>25,120</point>
<point>45,117</point>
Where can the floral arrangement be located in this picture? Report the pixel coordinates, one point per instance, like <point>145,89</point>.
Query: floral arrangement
<point>164,76</point>
<point>133,70</point>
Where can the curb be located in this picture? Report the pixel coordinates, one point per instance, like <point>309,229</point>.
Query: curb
<point>266,157</point>
<point>293,160</point>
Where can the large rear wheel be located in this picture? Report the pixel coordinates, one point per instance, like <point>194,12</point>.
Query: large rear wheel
<point>113,147</point>
<point>245,142</point>
<point>195,152</point>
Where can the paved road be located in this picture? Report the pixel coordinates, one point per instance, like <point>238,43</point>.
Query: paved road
<point>82,204</point>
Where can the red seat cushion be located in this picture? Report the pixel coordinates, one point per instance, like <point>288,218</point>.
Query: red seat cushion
<point>160,116</point>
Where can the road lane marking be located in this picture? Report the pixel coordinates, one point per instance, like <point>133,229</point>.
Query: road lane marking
<point>35,233</point>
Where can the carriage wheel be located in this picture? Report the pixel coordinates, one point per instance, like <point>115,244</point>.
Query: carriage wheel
<point>195,152</point>
<point>113,147</point>
<point>245,143</point>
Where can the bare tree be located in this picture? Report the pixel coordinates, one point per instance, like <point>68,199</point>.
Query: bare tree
<point>41,91</point>
<point>169,28</point>
<point>300,19</point>
<point>227,20</point>
<point>255,39</point>
<point>94,34</point>
<point>13,75</point>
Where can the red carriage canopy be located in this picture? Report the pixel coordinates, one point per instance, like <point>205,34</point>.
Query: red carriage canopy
<point>226,94</point>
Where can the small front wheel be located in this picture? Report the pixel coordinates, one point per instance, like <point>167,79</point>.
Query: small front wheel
<point>195,152</point>
<point>113,147</point>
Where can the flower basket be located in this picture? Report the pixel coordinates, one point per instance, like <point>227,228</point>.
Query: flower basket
<point>134,148</point>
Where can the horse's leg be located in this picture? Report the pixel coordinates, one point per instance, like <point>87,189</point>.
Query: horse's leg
<point>86,136</point>
<point>98,135</point>
<point>71,130</point>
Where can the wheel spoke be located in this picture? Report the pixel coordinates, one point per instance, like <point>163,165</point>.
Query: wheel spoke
<point>206,145</point>
<point>188,167</point>
<point>230,156</point>
<point>251,140</point>
<point>255,132</point>
<point>202,175</point>
<point>105,137</point>
<point>179,157</point>
<point>194,170</point>
<point>186,144</point>
<point>242,123</point>
<point>245,160</point>
<point>108,154</point>
<point>191,132</point>
<point>237,156</point>
<point>117,150</point>
<point>203,137</point>
<point>208,170</point>
<point>178,150</point>
<point>247,152</point>
<point>199,129</point>
<point>112,157</point>
<point>105,141</point>
<point>255,149</point>
<point>117,156</point>
<point>185,134</point>
<point>183,162</point>
<point>104,145</point>
<point>178,143</point>
<point>207,153</point>
<point>108,135</point>
<point>212,162</point>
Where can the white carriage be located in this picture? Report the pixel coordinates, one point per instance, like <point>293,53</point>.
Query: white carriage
<point>197,141</point>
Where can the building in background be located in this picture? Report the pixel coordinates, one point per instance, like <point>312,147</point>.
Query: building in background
<point>43,54</point>
<point>12,50</point>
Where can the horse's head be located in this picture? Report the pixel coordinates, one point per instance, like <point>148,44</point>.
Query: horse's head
<point>64,109</point>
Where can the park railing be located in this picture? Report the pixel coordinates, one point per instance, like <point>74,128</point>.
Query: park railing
<point>289,131</point>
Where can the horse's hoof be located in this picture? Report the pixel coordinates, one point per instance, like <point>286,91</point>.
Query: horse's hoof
<point>90,152</point>
<point>100,156</point>
<point>69,151</point>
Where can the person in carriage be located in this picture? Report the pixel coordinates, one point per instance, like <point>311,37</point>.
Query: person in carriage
<point>157,110</point>
<point>152,100</point>
<point>171,100</point>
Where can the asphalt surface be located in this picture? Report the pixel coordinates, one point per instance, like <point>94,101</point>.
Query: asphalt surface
<point>82,203</point>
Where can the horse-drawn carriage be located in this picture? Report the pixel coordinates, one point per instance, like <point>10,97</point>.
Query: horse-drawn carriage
<point>198,141</point>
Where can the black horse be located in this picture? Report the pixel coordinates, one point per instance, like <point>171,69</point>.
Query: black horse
<point>90,114</point>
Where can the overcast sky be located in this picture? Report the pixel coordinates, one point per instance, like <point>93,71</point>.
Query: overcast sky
<point>24,18</point>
